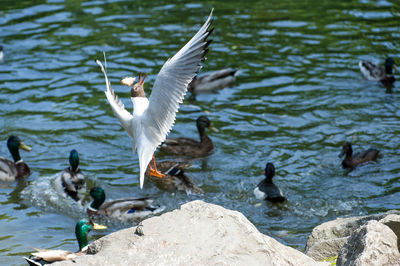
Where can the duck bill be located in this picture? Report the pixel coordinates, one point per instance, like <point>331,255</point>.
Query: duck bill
<point>341,154</point>
<point>213,129</point>
<point>24,147</point>
<point>99,226</point>
<point>395,68</point>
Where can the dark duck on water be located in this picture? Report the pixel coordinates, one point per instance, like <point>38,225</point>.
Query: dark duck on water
<point>352,160</point>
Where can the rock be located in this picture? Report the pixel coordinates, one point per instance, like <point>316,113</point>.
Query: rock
<point>327,239</point>
<point>198,233</point>
<point>372,244</point>
<point>393,222</point>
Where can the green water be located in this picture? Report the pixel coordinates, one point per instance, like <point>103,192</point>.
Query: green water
<point>298,97</point>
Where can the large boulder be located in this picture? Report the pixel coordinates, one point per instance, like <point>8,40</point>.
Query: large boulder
<point>198,234</point>
<point>372,244</point>
<point>327,239</point>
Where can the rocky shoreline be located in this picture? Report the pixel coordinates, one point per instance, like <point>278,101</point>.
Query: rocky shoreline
<point>201,233</point>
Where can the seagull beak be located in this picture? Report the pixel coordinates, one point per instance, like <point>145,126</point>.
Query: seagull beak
<point>99,226</point>
<point>128,81</point>
<point>213,128</point>
<point>24,147</point>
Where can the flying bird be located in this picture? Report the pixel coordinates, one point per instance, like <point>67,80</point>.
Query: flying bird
<point>152,119</point>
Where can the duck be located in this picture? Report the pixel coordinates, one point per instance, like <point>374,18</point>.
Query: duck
<point>374,72</point>
<point>152,119</point>
<point>125,209</point>
<point>266,189</point>
<point>351,161</point>
<point>175,177</point>
<point>47,256</point>
<point>191,147</point>
<point>1,53</point>
<point>14,170</point>
<point>71,181</point>
<point>214,80</point>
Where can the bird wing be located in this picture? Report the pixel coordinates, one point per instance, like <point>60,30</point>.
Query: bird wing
<point>168,91</point>
<point>171,85</point>
<point>117,106</point>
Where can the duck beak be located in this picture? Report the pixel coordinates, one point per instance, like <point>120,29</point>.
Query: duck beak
<point>24,147</point>
<point>128,81</point>
<point>213,128</point>
<point>341,154</point>
<point>99,226</point>
<point>395,68</point>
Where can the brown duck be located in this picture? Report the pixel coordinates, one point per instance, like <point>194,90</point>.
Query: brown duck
<point>351,161</point>
<point>175,177</point>
<point>191,147</point>
<point>9,170</point>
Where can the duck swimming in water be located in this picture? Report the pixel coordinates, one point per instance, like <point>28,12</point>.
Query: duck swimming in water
<point>351,161</point>
<point>48,256</point>
<point>266,189</point>
<point>71,180</point>
<point>214,80</point>
<point>11,171</point>
<point>175,177</point>
<point>125,209</point>
<point>191,147</point>
<point>153,118</point>
<point>374,72</point>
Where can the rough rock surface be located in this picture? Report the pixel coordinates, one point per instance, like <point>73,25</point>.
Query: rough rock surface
<point>393,222</point>
<point>198,234</point>
<point>372,244</point>
<point>327,239</point>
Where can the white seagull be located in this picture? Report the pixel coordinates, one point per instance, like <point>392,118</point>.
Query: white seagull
<point>152,119</point>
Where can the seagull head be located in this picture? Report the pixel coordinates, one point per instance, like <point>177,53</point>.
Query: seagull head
<point>137,89</point>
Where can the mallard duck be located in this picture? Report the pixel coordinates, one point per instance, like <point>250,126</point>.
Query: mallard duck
<point>378,73</point>
<point>153,118</point>
<point>71,179</point>
<point>191,147</point>
<point>46,256</point>
<point>11,171</point>
<point>175,178</point>
<point>214,80</point>
<point>266,189</point>
<point>351,161</point>
<point>125,209</point>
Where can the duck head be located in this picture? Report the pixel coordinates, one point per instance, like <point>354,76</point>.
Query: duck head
<point>203,122</point>
<point>99,196</point>
<point>74,160</point>
<point>389,64</point>
<point>82,229</point>
<point>14,143</point>
<point>346,150</point>
<point>269,171</point>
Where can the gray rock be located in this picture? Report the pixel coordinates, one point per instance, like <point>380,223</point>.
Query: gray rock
<point>327,239</point>
<point>198,234</point>
<point>372,244</point>
<point>393,222</point>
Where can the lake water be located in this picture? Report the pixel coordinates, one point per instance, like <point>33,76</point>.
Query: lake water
<point>298,97</point>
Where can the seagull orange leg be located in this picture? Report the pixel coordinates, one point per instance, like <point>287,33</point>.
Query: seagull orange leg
<point>155,172</point>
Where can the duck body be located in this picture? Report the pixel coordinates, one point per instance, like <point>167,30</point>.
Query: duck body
<point>125,209</point>
<point>47,256</point>
<point>191,147</point>
<point>153,118</point>
<point>71,181</point>
<point>352,160</point>
<point>17,169</point>
<point>266,189</point>
<point>214,80</point>
<point>175,177</point>
<point>375,72</point>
